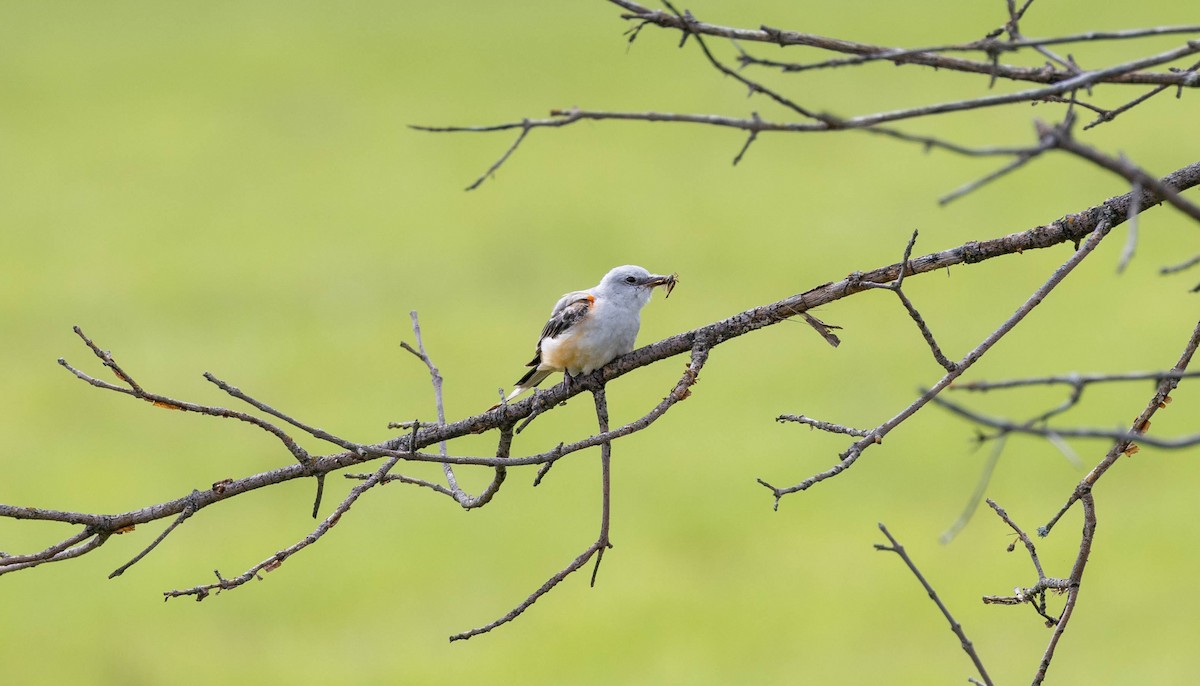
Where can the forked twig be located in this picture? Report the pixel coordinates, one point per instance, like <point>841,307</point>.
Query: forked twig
<point>596,549</point>
<point>967,646</point>
<point>851,454</point>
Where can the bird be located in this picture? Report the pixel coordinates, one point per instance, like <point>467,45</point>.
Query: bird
<point>588,329</point>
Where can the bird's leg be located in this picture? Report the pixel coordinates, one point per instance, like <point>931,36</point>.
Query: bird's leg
<point>567,381</point>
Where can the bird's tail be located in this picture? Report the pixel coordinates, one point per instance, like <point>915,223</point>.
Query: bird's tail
<point>532,378</point>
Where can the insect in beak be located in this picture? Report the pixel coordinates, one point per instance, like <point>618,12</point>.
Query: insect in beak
<point>667,282</point>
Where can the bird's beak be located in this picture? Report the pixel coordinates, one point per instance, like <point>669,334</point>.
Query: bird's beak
<point>667,282</point>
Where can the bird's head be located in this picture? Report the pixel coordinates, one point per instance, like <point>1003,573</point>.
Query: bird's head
<point>634,281</point>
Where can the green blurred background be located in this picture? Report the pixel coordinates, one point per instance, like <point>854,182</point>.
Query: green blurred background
<point>232,187</point>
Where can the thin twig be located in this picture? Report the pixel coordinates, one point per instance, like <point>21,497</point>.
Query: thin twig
<point>1125,446</point>
<point>1072,380</point>
<point>967,646</point>
<point>603,541</point>
<point>312,430</point>
<point>972,186</point>
<point>1188,264</point>
<point>595,549</point>
<point>749,139</point>
<point>699,341</point>
<point>146,551</point>
<point>1109,115</point>
<point>107,359</point>
<point>94,540</point>
<point>896,287</point>
<point>545,588</point>
<point>1033,556</point>
<point>400,478</point>
<point>687,20</point>
<point>1034,596</point>
<point>15,561</point>
<point>1030,427</point>
<point>681,391</point>
<point>1085,548</point>
<point>202,591</point>
<point>1061,138</point>
<point>981,484</point>
<point>930,58</point>
<point>851,455</point>
<point>986,45</point>
<point>823,426</point>
<point>466,500</point>
<point>165,402</point>
<point>491,171</point>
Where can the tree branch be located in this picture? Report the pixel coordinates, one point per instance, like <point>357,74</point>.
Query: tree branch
<point>923,57</point>
<point>967,646</point>
<point>407,447</point>
<point>851,455</point>
<point>597,548</point>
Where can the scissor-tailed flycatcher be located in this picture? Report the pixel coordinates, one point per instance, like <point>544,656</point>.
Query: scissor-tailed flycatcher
<point>588,329</point>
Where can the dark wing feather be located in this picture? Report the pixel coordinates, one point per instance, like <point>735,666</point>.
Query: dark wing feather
<point>564,317</point>
<point>567,312</point>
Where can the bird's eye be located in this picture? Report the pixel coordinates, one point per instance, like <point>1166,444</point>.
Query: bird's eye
<point>630,279</point>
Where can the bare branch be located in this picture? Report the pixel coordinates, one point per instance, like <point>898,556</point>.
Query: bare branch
<point>1060,81</point>
<point>754,125</point>
<point>171,404</point>
<point>466,500</point>
<point>1188,264</point>
<point>988,45</point>
<point>94,540</point>
<point>1091,224</point>
<point>1034,596</point>
<point>1139,426</point>
<point>602,541</point>
<point>597,548</point>
<point>1069,228</point>
<point>1030,427</point>
<point>1061,138</point>
<point>491,172</point>
<point>1033,556</point>
<point>1071,380</point>
<point>825,122</point>
<point>1077,82</point>
<point>273,562</point>
<point>187,512</point>
<point>1085,549</point>
<point>107,359</point>
<point>749,139</point>
<point>981,484</point>
<point>975,185</point>
<point>687,20</point>
<point>896,287</point>
<point>11,563</point>
<point>1109,115</point>
<point>967,646</point>
<point>400,478</point>
<point>681,391</point>
<point>851,455</point>
<point>823,426</point>
<point>545,588</point>
<point>315,432</point>
<point>1131,239</point>
<point>927,58</point>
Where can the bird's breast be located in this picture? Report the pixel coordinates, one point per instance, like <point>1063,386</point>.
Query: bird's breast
<point>587,346</point>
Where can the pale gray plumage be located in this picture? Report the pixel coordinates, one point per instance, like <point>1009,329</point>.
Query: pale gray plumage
<point>588,329</point>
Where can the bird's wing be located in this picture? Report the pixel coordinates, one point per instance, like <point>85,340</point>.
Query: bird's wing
<point>569,310</point>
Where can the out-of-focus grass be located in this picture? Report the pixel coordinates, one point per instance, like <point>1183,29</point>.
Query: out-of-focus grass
<point>234,189</point>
